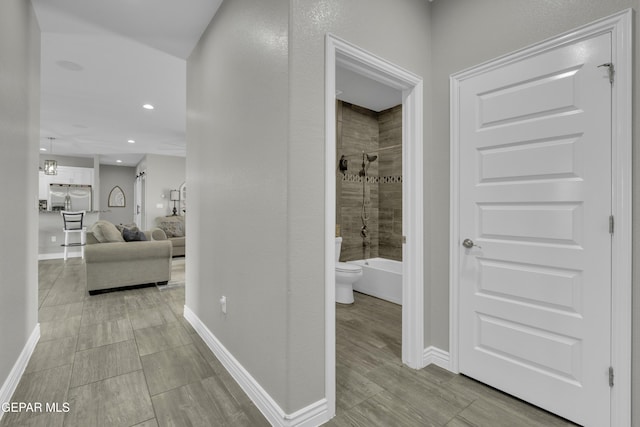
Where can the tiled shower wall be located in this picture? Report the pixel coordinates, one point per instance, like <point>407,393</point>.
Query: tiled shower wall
<point>390,187</point>
<point>359,129</point>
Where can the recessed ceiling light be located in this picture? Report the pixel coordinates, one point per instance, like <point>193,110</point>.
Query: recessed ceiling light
<point>148,106</point>
<point>43,149</point>
<point>131,141</point>
<point>118,161</point>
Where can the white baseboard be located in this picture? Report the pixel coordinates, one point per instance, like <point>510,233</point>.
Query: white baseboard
<point>433,355</point>
<point>313,415</point>
<point>11,383</point>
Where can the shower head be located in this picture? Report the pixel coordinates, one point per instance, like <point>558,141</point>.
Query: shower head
<point>371,158</point>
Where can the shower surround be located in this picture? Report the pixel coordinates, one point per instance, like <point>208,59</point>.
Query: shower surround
<point>362,130</point>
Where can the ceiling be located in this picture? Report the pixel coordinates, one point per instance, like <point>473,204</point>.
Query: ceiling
<point>102,60</point>
<point>359,90</point>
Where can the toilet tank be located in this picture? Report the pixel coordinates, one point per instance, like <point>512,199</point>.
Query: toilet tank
<point>338,246</point>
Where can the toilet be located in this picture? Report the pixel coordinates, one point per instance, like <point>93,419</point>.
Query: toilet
<point>346,275</point>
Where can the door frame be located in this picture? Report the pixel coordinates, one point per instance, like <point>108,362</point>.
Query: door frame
<point>620,27</point>
<point>341,52</point>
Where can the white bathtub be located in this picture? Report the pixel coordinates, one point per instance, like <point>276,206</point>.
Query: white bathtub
<point>381,278</point>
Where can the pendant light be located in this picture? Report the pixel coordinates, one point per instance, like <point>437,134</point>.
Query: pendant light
<point>50,166</point>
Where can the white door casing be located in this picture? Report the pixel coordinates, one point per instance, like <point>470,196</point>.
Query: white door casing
<point>532,157</point>
<point>349,56</point>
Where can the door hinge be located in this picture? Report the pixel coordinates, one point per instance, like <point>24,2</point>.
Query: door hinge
<point>611,224</point>
<point>609,65</point>
<point>404,239</point>
<point>610,376</point>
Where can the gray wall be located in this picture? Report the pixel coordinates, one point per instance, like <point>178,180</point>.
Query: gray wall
<point>19,134</point>
<point>466,33</point>
<point>123,177</point>
<point>237,183</point>
<point>397,31</point>
<point>164,173</point>
<point>255,138</point>
<point>255,186</point>
<point>78,162</point>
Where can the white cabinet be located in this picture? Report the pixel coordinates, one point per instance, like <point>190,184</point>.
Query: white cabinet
<point>43,186</point>
<point>66,175</point>
<point>73,175</point>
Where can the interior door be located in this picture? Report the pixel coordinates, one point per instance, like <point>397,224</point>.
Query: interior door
<point>139,196</point>
<point>535,201</point>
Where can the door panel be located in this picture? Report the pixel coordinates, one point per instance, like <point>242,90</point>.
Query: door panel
<point>535,198</point>
<point>543,287</point>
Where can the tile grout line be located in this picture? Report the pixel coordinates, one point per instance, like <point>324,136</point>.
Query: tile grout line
<point>146,382</point>
<point>73,364</point>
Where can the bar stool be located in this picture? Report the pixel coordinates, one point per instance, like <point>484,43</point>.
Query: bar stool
<point>73,224</point>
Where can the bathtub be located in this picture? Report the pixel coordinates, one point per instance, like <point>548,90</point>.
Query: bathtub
<point>381,278</point>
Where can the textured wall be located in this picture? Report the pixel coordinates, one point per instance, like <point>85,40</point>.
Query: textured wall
<point>255,138</point>
<point>19,140</point>
<point>123,177</point>
<point>237,104</point>
<point>241,101</point>
<point>397,31</point>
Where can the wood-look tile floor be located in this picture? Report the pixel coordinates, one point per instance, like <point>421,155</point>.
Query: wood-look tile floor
<point>124,358</point>
<point>130,359</point>
<point>374,389</point>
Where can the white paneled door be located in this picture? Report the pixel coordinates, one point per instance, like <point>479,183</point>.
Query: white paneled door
<point>535,202</point>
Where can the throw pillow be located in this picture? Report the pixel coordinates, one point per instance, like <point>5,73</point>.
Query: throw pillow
<point>132,226</point>
<point>106,232</point>
<point>97,231</point>
<point>133,235</point>
<point>172,228</point>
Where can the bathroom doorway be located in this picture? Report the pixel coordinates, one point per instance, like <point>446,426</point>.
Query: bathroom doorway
<point>341,56</point>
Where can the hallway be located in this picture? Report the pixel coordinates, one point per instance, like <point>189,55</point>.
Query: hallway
<point>130,359</point>
<point>123,359</point>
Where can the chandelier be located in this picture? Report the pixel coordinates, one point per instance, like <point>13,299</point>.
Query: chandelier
<point>50,166</point>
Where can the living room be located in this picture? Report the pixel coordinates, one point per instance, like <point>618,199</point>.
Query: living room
<point>112,121</point>
<point>145,194</point>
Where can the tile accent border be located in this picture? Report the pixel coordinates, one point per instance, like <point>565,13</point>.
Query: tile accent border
<point>11,383</point>
<point>436,356</point>
<point>313,415</point>
<point>393,179</point>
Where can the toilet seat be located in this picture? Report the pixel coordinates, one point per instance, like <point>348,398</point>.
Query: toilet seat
<point>344,267</point>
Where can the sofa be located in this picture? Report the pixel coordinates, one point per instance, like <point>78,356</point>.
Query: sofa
<point>174,227</point>
<point>114,263</point>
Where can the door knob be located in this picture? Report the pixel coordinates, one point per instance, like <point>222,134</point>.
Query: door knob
<point>468,243</point>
